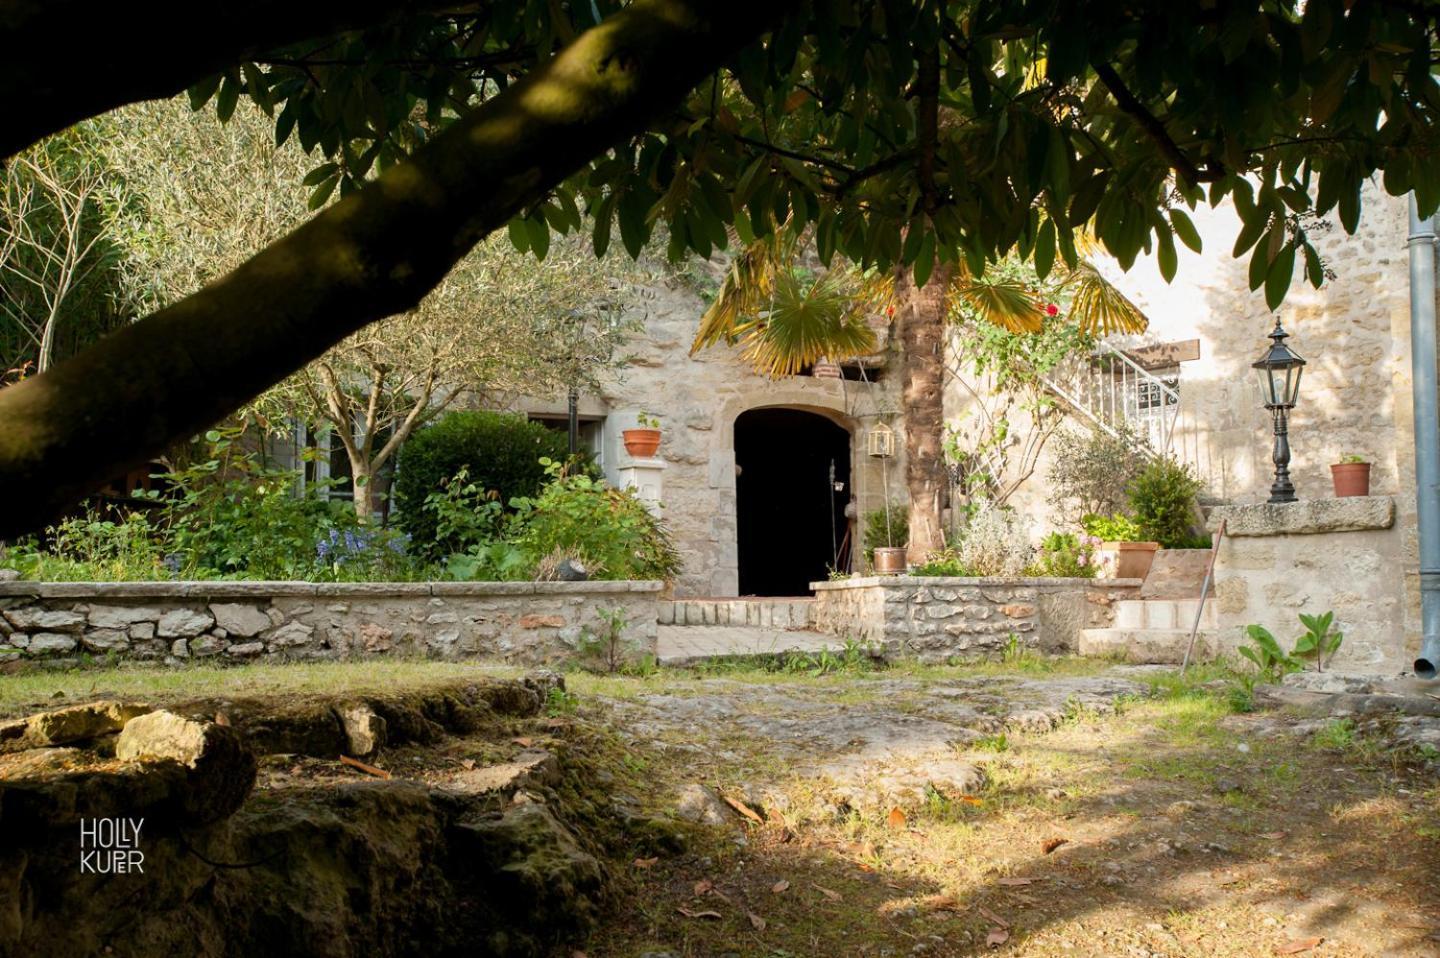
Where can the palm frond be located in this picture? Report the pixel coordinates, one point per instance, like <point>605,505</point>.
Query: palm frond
<point>1098,306</point>
<point>809,320</point>
<point>1003,302</point>
<point>746,289</point>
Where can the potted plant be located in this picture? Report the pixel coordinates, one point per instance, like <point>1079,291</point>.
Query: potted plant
<point>1351,476</point>
<point>642,441</point>
<point>1122,554</point>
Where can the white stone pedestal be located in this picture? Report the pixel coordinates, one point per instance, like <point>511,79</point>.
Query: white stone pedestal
<point>644,476</point>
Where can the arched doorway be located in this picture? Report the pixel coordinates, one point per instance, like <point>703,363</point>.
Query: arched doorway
<point>790,515</point>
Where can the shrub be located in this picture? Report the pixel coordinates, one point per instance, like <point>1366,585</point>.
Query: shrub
<point>1116,528</point>
<point>1092,471</point>
<point>610,529</point>
<point>875,529</point>
<point>1066,555</point>
<point>996,542</point>
<point>946,562</point>
<point>1162,498</point>
<point>231,515</point>
<point>500,452</point>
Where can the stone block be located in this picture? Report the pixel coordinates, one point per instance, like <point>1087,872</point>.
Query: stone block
<point>123,617</point>
<point>183,623</point>
<point>1306,517</point>
<point>47,643</point>
<point>245,650</point>
<point>290,635</point>
<point>240,618</point>
<point>105,640</point>
<point>40,619</point>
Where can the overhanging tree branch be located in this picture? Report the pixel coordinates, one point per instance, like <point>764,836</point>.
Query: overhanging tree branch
<point>374,253</point>
<point>1183,166</point>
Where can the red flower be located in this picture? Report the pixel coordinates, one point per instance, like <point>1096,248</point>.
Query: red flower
<point>1051,309</point>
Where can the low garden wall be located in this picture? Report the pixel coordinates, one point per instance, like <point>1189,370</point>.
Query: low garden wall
<point>525,623</point>
<point>1345,555</point>
<point>936,618</point>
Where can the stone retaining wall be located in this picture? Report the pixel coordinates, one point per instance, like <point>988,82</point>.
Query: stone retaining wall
<point>936,618</point>
<point>1347,556</point>
<point>524,623</point>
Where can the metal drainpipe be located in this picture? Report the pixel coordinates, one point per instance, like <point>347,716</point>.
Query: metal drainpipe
<point>1427,434</point>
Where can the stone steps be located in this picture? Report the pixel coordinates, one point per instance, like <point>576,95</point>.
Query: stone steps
<point>1163,614</point>
<point>1176,574</point>
<point>761,613</point>
<point>688,644</point>
<point>1156,646</point>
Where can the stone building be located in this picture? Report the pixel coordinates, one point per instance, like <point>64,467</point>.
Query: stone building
<point>744,478</point>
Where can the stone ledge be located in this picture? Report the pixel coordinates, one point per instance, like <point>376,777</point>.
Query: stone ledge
<point>204,590</point>
<point>1306,517</point>
<point>920,581</point>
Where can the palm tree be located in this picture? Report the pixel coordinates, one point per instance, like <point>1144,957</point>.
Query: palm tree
<point>784,318</point>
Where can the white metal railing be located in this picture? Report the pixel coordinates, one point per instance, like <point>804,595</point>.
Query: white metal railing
<point>1114,392</point>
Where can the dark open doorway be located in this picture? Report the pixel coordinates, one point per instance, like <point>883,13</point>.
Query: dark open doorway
<point>790,517</point>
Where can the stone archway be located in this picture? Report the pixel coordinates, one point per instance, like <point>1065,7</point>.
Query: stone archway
<point>792,484</point>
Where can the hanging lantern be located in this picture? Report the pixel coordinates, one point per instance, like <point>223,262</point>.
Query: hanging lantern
<point>881,441</point>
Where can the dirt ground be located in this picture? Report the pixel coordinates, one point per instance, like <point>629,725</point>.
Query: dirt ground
<point>1040,807</point>
<point>1037,811</point>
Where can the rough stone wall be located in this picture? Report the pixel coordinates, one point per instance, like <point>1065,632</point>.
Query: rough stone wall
<point>523,623</point>
<point>697,399</point>
<point>1347,556</point>
<point>1355,397</point>
<point>937,618</point>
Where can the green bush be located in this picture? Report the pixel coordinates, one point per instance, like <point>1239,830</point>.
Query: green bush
<point>946,562</point>
<point>609,529</point>
<point>1162,498</point>
<point>1065,555</point>
<point>230,515</point>
<point>1116,528</point>
<point>500,453</point>
<point>875,531</point>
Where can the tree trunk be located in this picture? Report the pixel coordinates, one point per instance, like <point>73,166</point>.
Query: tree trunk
<point>373,254</point>
<point>922,341</point>
<point>361,478</point>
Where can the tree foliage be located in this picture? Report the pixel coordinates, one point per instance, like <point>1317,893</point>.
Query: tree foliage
<point>918,133</point>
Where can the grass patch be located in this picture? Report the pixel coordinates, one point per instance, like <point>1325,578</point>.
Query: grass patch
<point>47,689</point>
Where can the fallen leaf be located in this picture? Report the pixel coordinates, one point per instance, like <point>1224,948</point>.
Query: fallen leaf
<point>756,921</point>
<point>997,936</point>
<point>832,895</point>
<point>523,742</point>
<point>698,914</point>
<point>994,918</point>
<point>1015,882</point>
<point>1274,836</point>
<point>468,762</point>
<point>779,886</point>
<point>221,718</point>
<point>896,818</point>
<point>361,766</point>
<point>971,799</point>
<point>703,886</point>
<point>646,862</point>
<point>1297,946</point>
<point>1050,844</point>
<point>743,809</point>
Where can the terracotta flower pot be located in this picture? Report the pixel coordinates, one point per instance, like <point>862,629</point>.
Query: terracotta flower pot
<point>1127,560</point>
<point>890,560</point>
<point>1351,478</point>
<point>641,443</point>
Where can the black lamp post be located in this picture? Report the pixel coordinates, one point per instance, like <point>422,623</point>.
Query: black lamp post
<point>1279,373</point>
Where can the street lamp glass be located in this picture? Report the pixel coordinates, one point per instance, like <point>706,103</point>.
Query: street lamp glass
<point>1279,372</point>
